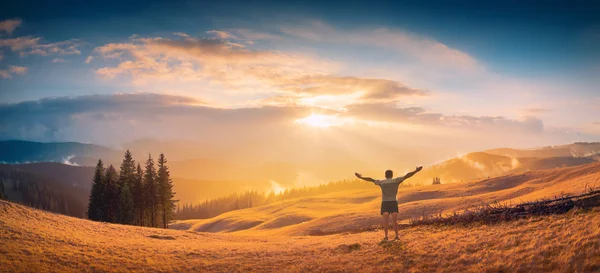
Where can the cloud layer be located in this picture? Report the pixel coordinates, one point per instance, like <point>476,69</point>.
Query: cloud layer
<point>29,45</point>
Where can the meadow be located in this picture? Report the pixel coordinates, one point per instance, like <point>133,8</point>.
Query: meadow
<point>335,232</point>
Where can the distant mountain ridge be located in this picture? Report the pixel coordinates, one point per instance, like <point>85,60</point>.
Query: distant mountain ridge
<point>577,149</point>
<point>73,153</point>
<point>205,177</point>
<point>481,165</point>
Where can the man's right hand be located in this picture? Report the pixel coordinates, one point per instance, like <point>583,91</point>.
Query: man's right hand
<point>358,175</point>
<point>419,168</point>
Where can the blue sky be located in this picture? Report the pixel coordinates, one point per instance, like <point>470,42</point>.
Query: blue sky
<point>473,65</point>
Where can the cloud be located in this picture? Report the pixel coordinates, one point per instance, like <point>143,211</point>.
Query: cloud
<point>12,70</point>
<point>148,60</point>
<point>223,35</point>
<point>536,110</point>
<point>8,26</point>
<point>28,45</point>
<point>422,49</point>
<point>58,60</point>
<point>20,43</point>
<point>232,67</point>
<point>389,112</point>
<point>89,59</point>
<point>155,115</point>
<point>267,133</point>
<point>373,89</point>
<point>133,116</point>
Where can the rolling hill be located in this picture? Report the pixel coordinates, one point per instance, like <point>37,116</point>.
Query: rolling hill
<point>578,149</point>
<point>357,210</point>
<point>38,241</point>
<point>481,165</point>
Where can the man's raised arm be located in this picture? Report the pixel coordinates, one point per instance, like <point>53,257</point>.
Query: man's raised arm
<point>408,175</point>
<point>364,178</point>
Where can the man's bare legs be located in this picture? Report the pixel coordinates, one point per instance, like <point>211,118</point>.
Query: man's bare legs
<point>395,223</point>
<point>386,223</point>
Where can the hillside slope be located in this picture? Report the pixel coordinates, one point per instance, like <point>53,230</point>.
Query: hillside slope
<point>357,210</point>
<point>577,149</point>
<point>37,241</point>
<point>481,165</point>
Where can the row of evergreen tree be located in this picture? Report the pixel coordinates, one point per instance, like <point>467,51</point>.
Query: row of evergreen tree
<point>133,196</point>
<point>41,192</point>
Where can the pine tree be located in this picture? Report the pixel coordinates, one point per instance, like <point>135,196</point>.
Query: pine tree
<point>150,191</point>
<point>126,205</point>
<point>165,191</point>
<point>111,200</point>
<point>237,204</point>
<point>95,211</point>
<point>138,196</point>
<point>127,177</point>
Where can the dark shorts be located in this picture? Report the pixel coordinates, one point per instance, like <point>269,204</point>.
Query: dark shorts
<point>389,206</point>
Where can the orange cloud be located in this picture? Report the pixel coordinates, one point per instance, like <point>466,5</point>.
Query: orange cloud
<point>8,26</point>
<point>28,45</point>
<point>237,68</point>
<point>12,70</point>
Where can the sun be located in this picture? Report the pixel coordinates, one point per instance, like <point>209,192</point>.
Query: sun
<point>320,121</point>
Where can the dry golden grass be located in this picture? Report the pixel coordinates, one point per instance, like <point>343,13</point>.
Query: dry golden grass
<point>357,210</point>
<point>270,238</point>
<point>37,241</point>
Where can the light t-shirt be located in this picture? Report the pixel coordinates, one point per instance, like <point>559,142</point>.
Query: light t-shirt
<point>389,188</point>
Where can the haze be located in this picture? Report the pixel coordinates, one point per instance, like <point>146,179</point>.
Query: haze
<point>390,87</point>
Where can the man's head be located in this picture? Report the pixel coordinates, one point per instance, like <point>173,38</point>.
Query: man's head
<point>389,174</point>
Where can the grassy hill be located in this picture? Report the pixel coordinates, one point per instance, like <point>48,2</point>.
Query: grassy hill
<point>577,149</point>
<point>274,238</point>
<point>481,165</point>
<point>357,210</point>
<point>38,241</point>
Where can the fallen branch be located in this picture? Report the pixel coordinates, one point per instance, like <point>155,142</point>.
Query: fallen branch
<point>497,212</point>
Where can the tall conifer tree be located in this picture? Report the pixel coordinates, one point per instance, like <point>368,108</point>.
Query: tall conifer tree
<point>111,200</point>
<point>125,205</point>
<point>95,206</point>
<point>138,196</point>
<point>165,191</point>
<point>127,176</point>
<point>150,191</point>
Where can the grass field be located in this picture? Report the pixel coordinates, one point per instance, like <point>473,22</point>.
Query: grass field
<point>36,241</point>
<point>275,241</point>
<point>358,210</point>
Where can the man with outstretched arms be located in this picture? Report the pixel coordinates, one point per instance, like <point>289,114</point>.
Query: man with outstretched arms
<point>389,203</point>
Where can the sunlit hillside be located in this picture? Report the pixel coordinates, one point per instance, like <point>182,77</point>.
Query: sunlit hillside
<point>578,149</point>
<point>198,179</point>
<point>350,211</point>
<point>481,165</point>
<point>37,241</point>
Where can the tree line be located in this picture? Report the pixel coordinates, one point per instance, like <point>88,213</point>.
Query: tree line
<point>40,192</point>
<point>213,207</point>
<point>133,196</point>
